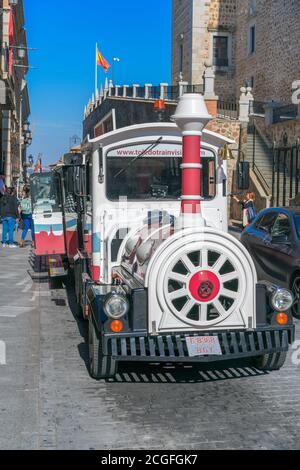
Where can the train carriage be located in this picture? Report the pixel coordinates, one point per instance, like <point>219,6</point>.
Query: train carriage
<point>157,274</point>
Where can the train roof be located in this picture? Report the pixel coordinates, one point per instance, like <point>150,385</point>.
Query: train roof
<point>167,129</point>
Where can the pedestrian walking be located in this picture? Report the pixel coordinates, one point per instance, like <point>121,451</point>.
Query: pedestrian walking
<point>26,216</point>
<point>248,208</point>
<point>9,211</point>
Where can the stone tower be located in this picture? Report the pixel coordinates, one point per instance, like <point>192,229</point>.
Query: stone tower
<point>204,33</point>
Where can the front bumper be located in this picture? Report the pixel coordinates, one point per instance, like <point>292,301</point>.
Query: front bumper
<point>173,348</point>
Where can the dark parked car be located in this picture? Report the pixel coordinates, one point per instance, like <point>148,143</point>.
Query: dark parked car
<point>273,241</point>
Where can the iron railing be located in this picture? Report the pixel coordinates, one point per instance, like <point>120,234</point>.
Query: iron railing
<point>228,109</point>
<point>286,174</point>
<point>169,92</point>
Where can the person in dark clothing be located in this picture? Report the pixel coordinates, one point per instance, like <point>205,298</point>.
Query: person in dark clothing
<point>248,208</point>
<point>9,211</point>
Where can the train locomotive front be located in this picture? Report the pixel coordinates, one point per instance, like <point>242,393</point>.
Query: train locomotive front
<point>166,282</point>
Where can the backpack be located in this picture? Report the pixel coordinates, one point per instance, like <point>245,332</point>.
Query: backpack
<point>26,206</point>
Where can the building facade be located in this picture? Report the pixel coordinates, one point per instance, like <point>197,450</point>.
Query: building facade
<point>247,41</point>
<point>14,97</point>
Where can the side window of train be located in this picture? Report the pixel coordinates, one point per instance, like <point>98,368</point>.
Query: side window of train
<point>70,200</point>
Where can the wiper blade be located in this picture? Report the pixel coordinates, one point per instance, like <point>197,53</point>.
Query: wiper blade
<point>151,147</point>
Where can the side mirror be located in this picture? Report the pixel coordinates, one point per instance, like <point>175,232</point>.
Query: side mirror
<point>243,176</point>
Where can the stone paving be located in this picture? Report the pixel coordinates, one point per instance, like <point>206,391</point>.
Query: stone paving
<point>49,401</point>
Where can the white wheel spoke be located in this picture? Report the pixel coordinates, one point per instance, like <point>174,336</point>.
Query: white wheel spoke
<point>178,277</point>
<point>219,307</point>
<point>229,293</point>
<point>177,294</point>
<point>188,264</point>
<point>204,258</point>
<point>187,308</point>
<point>229,277</point>
<point>203,312</point>
<point>220,263</point>
<point>186,285</point>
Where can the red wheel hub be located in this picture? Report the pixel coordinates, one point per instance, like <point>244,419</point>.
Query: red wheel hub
<point>205,286</point>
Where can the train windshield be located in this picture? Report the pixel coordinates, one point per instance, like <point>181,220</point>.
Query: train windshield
<point>152,178</point>
<point>45,192</point>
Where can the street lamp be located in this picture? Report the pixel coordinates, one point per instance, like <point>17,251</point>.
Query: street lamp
<point>26,126</point>
<point>115,60</point>
<point>31,161</point>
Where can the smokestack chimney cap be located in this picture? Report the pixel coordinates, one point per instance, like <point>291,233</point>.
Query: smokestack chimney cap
<point>191,115</point>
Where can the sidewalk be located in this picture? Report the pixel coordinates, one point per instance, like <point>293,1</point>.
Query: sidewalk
<point>17,235</point>
<point>19,332</point>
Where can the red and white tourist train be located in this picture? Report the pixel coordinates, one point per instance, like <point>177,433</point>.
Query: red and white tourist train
<point>141,217</point>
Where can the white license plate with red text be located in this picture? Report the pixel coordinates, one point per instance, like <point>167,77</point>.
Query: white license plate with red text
<point>203,346</point>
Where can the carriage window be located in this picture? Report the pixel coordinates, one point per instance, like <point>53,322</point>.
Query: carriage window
<point>45,192</point>
<point>153,178</point>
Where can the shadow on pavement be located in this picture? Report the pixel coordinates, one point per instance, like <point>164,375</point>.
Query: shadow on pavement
<point>185,373</point>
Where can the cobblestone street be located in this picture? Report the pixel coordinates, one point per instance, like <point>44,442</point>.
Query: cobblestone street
<point>49,401</point>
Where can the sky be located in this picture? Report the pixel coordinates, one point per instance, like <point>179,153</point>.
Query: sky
<point>62,79</point>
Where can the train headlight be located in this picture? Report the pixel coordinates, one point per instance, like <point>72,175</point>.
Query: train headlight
<point>282,300</point>
<point>116,306</point>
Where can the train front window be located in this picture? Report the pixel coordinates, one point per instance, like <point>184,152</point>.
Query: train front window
<point>152,178</point>
<point>45,192</point>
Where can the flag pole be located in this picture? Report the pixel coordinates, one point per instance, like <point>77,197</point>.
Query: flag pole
<point>96,71</point>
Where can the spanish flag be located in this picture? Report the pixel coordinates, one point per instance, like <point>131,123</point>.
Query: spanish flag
<point>101,61</point>
<point>38,167</point>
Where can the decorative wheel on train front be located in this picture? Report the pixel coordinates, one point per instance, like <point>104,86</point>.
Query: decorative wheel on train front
<point>203,287</point>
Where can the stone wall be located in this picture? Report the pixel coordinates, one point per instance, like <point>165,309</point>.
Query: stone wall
<point>276,62</point>
<point>182,35</point>
<point>291,128</point>
<point>197,21</point>
<point>227,128</point>
<point>128,112</point>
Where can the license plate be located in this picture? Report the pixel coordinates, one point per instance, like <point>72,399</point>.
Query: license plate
<point>203,346</point>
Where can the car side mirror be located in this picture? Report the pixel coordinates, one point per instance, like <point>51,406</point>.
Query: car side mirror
<point>281,240</point>
<point>243,176</point>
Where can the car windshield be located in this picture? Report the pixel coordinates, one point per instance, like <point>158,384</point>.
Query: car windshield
<point>153,178</point>
<point>297,224</point>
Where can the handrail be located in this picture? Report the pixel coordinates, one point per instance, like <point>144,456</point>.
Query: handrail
<point>261,178</point>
